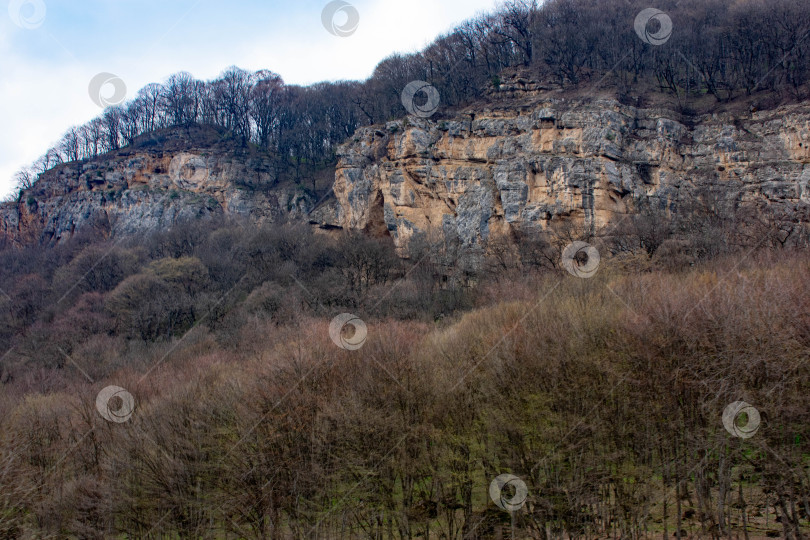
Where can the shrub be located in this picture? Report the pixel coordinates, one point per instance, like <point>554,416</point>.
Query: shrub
<point>148,307</point>
<point>187,273</point>
<point>97,268</point>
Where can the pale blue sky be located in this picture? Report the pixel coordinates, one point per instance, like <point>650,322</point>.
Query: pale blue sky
<point>45,71</point>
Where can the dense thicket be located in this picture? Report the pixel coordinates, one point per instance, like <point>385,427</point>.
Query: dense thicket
<point>721,48</point>
<point>605,396</point>
<point>221,273</point>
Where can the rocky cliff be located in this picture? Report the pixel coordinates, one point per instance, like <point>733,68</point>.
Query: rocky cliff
<point>516,160</point>
<point>504,165</point>
<point>163,178</point>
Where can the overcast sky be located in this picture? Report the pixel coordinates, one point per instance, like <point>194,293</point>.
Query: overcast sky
<point>51,49</point>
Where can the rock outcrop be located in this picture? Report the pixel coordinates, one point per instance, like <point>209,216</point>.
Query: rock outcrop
<point>158,181</point>
<point>516,161</point>
<point>495,167</point>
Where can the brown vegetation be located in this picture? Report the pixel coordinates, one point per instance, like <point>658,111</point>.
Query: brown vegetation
<point>604,395</point>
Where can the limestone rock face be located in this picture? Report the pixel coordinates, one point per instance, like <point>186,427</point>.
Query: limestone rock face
<point>143,189</point>
<point>497,166</point>
<point>490,170</point>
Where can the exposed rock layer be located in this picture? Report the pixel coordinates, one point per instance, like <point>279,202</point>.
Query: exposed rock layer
<point>151,186</point>
<point>493,169</point>
<point>488,169</point>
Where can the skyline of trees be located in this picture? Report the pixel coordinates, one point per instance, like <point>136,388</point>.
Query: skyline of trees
<point>717,48</point>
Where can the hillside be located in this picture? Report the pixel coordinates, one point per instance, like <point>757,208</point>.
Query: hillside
<point>604,396</point>
<point>547,278</point>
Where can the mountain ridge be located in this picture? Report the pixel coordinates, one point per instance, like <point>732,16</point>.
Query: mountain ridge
<point>516,160</point>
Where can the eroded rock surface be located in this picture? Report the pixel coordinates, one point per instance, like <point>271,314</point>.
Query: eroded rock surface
<point>491,169</point>
<point>150,187</point>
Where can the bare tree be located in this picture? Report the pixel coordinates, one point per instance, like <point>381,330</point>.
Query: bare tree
<point>179,99</point>
<point>232,98</point>
<point>112,127</point>
<point>24,178</point>
<point>265,98</point>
